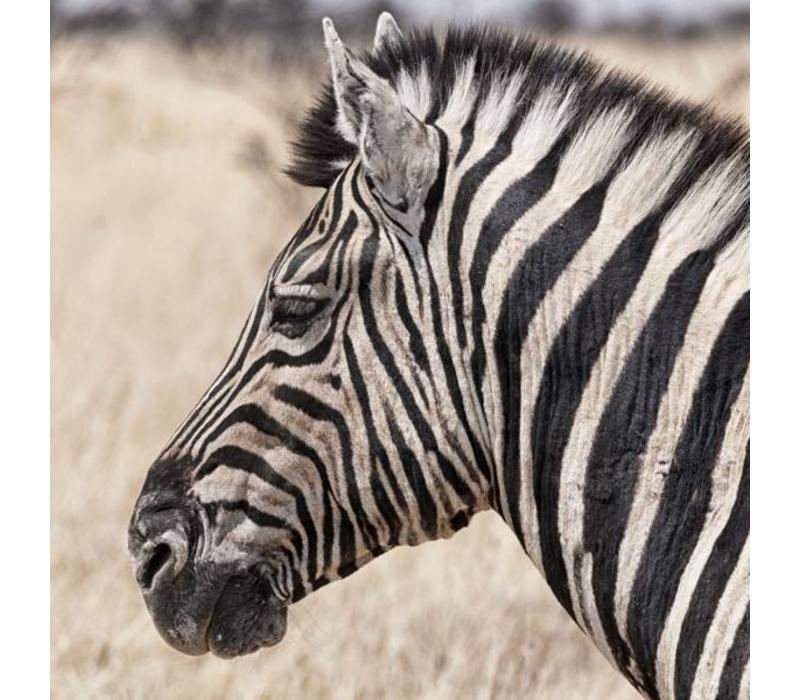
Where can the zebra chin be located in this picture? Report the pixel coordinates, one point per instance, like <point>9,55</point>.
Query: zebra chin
<point>246,618</point>
<point>207,610</point>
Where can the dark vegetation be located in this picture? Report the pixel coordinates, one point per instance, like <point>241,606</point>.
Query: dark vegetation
<point>289,26</point>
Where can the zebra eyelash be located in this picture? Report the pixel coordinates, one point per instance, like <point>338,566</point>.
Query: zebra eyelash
<point>293,315</point>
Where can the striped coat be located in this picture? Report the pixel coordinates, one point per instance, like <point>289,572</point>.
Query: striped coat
<point>525,287</point>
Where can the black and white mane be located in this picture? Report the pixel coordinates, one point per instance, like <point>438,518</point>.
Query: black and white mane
<point>496,57</point>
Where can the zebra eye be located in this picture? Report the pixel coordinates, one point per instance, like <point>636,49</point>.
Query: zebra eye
<point>293,315</point>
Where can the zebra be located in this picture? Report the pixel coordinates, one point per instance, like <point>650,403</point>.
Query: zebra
<point>525,287</point>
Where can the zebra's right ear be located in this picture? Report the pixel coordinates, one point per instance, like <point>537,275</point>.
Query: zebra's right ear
<point>387,33</point>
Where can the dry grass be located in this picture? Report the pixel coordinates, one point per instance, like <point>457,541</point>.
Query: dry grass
<point>167,209</point>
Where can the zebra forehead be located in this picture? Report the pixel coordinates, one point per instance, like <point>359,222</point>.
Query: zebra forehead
<point>501,78</point>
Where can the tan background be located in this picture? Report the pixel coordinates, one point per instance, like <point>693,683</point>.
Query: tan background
<point>168,206</point>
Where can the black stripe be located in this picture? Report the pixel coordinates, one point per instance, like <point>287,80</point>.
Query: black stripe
<point>515,201</point>
<point>426,506</point>
<point>624,430</point>
<point>321,274</point>
<point>291,583</point>
<point>262,519</point>
<point>337,201</point>
<point>254,416</point>
<point>465,195</point>
<point>450,377</point>
<point>300,257</point>
<point>730,681</point>
<point>711,585</point>
<point>235,457</point>
<point>348,229</point>
<point>533,277</point>
<point>307,228</point>
<point>387,512</point>
<point>386,358</point>
<point>687,490</point>
<point>431,209</point>
<point>316,409</point>
<point>376,448</point>
<point>467,134</point>
<point>433,199</point>
<point>347,543</point>
<point>402,242</point>
<point>415,342</point>
<point>567,370</point>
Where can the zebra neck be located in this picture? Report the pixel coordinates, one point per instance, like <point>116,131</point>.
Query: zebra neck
<point>578,280</point>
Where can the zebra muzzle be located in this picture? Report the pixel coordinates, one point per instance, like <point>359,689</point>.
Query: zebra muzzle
<point>198,605</point>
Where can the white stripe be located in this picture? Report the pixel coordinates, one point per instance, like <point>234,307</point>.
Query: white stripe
<point>744,688</point>
<point>462,96</point>
<point>646,181</point>
<point>722,632</point>
<point>415,92</point>
<point>725,483</point>
<point>584,164</point>
<point>724,287</point>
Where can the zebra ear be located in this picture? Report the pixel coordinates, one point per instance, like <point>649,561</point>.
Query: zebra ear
<point>349,78</point>
<point>397,150</point>
<point>387,33</point>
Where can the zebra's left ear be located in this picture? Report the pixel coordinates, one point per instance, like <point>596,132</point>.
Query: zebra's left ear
<point>398,151</point>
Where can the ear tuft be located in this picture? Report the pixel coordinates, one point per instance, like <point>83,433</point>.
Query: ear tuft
<point>387,33</point>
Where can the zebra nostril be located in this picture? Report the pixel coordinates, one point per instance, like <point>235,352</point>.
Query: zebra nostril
<point>161,559</point>
<point>154,562</point>
<point>159,544</point>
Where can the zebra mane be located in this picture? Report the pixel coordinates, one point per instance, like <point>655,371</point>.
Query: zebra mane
<point>430,64</point>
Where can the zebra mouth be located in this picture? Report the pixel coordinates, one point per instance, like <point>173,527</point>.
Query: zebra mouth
<point>246,617</point>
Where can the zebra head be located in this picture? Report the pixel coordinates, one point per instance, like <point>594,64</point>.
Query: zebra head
<point>333,432</point>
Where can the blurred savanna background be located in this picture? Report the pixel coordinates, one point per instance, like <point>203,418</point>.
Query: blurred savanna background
<point>170,124</point>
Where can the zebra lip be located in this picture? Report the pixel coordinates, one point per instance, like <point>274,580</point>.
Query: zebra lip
<point>246,617</point>
<point>183,626</point>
